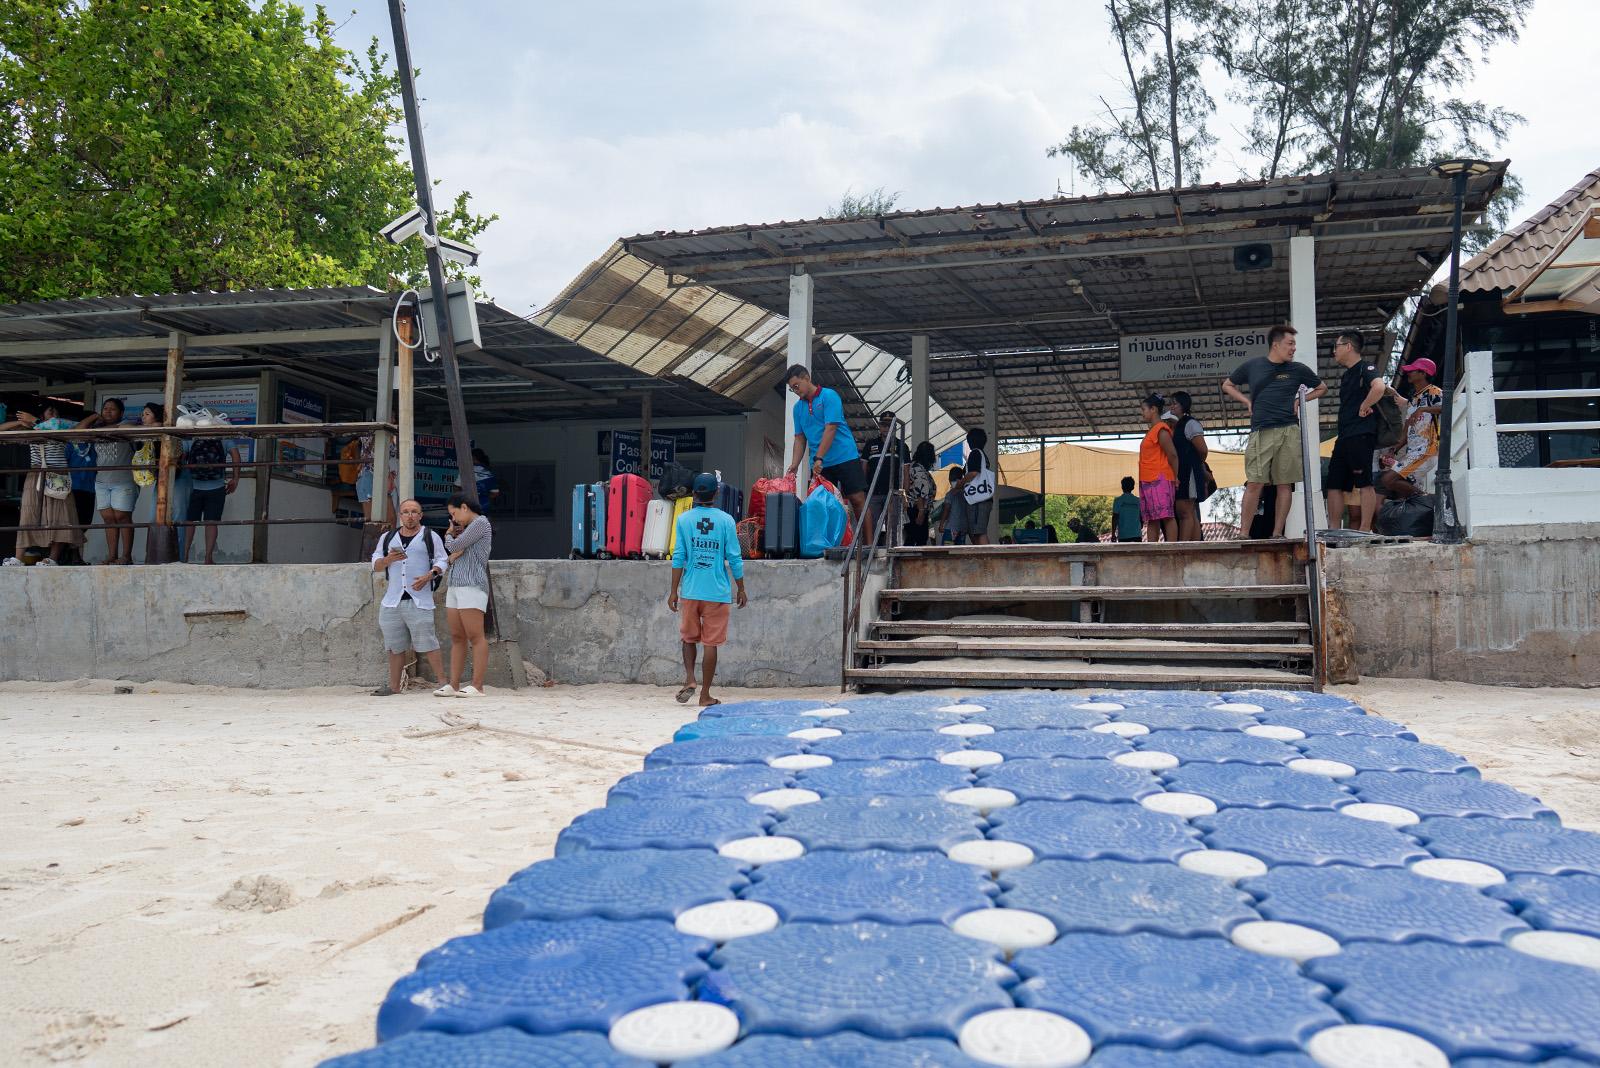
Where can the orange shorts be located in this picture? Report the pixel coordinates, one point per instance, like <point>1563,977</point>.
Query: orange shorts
<point>703,622</point>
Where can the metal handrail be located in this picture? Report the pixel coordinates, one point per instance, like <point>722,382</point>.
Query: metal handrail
<point>858,562</point>
<point>1308,456</point>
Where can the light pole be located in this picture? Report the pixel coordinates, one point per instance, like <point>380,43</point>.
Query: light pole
<point>1446,520</point>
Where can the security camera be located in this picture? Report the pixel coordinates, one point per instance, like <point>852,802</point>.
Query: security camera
<point>458,252</point>
<point>407,226</point>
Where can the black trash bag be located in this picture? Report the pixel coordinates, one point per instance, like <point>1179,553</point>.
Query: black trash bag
<point>676,480</point>
<point>1411,517</point>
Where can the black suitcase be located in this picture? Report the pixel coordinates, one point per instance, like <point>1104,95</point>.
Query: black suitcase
<point>781,536</point>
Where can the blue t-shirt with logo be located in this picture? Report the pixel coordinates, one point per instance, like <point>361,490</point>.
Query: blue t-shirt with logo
<point>707,550</point>
<point>811,418</point>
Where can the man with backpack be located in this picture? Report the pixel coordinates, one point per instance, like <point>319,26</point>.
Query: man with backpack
<point>1361,388</point>
<point>413,558</point>
<point>209,489</point>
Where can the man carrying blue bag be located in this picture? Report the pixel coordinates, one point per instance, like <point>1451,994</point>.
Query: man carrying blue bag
<point>705,554</point>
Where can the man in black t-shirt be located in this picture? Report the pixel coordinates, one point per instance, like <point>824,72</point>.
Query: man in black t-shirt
<point>887,482</point>
<point>1360,388</point>
<point>1272,455</point>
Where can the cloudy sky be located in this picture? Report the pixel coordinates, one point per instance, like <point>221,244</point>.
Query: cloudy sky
<point>583,122</point>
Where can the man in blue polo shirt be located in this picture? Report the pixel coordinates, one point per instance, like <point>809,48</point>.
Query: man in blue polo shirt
<point>705,552</point>
<point>819,426</point>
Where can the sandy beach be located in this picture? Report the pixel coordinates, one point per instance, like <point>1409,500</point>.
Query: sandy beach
<point>199,875</point>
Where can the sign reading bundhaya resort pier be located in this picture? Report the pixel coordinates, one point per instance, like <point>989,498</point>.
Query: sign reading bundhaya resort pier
<point>1181,357</point>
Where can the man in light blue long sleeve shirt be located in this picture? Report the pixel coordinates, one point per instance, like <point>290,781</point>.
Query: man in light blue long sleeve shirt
<point>705,554</point>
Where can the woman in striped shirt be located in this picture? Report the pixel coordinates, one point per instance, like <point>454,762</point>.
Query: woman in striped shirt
<point>467,600</point>
<point>47,493</point>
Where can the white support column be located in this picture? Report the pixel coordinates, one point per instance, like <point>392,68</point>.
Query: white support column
<point>1303,317</point>
<point>383,412</point>
<point>1483,443</point>
<point>801,288</point>
<point>919,389</point>
<point>991,426</point>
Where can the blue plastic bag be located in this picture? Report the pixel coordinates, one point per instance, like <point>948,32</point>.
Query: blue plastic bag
<point>822,522</point>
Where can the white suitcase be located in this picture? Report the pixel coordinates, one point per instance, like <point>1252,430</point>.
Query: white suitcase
<point>657,529</point>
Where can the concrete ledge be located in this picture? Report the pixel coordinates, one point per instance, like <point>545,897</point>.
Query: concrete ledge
<point>287,625</point>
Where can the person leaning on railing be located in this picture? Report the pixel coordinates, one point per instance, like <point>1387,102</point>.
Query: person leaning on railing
<point>47,493</point>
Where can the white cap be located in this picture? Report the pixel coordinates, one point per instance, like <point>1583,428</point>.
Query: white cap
<point>812,734</point>
<point>1275,732</point>
<point>983,798</point>
<point>1276,939</point>
<point>1365,1046</point>
<point>1152,759</point>
<point>763,849</point>
<point>1122,729</point>
<point>1175,803</point>
<point>675,1031</point>
<point>1564,946</point>
<point>1333,769</point>
<point>992,855</point>
<point>1222,863</point>
<point>1393,815</point>
<point>1099,706</point>
<point>784,798</point>
<point>1238,706</point>
<point>722,921</point>
<point>971,758</point>
<point>800,761</point>
<point>967,730</point>
<point>1470,872</point>
<point>1010,929</point>
<point>1025,1038</point>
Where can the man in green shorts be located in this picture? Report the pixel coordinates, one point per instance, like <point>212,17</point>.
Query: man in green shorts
<point>1272,456</point>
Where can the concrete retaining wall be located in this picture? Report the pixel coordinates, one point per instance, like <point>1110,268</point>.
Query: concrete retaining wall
<point>1507,611</point>
<point>316,624</point>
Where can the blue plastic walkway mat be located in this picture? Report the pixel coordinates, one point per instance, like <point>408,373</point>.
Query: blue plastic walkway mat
<point>1144,879</point>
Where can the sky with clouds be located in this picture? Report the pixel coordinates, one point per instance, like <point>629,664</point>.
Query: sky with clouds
<point>582,123</point>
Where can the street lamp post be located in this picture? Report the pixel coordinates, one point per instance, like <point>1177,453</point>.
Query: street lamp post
<point>1446,519</point>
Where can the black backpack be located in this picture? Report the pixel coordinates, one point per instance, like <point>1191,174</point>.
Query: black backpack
<point>1391,423</point>
<point>426,532</point>
<point>206,457</point>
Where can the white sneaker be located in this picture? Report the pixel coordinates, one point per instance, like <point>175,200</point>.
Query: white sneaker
<point>447,691</point>
<point>11,561</point>
<point>469,690</point>
<point>46,562</point>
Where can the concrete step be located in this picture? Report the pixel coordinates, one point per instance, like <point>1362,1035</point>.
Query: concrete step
<point>1103,548</point>
<point>1067,673</point>
<point>1085,648</point>
<point>1042,628</point>
<point>1014,594</point>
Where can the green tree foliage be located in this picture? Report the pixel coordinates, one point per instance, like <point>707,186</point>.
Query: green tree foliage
<point>1095,512</point>
<point>204,144</point>
<point>863,205</point>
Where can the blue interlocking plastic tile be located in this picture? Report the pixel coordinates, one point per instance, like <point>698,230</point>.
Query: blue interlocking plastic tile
<point>1116,897</point>
<point>1088,830</point>
<point>1555,902</point>
<point>1384,754</point>
<point>1299,699</point>
<point>696,823</point>
<point>634,884</point>
<point>913,702</point>
<point>1046,742</point>
<point>1218,747</point>
<point>574,975</point>
<point>1063,717</point>
<point>675,781</point>
<point>736,749</point>
<point>884,778</point>
<point>833,886</point>
<point>888,745</point>
<point>846,1050</point>
<point>1496,1062</point>
<point>1257,786</point>
<point>1026,700</point>
<point>1320,722</point>
<point>892,719</point>
<point>1383,904</point>
<point>880,823</point>
<point>1469,1000</point>
<point>1295,836</point>
<point>1066,779</point>
<point>735,726</point>
<point>1156,698</point>
<point>881,980</point>
<point>1428,793</point>
<point>504,1047</point>
<point>1148,989</point>
<point>1185,718</point>
<point>1202,1056</point>
<point>763,708</point>
<point>1534,846</point>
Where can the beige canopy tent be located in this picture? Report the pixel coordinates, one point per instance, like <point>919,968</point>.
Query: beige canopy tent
<point>1090,470</point>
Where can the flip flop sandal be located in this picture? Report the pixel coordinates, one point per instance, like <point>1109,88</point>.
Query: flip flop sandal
<point>711,702</point>
<point>684,695</point>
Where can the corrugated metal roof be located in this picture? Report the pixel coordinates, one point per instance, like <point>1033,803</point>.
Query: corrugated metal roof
<point>1514,255</point>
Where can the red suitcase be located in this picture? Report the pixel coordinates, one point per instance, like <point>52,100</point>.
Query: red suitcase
<point>627,499</point>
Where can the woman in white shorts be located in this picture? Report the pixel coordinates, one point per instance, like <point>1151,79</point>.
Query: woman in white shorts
<point>467,600</point>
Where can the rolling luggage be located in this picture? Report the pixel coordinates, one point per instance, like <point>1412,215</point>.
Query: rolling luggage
<point>589,520</point>
<point>781,536</point>
<point>627,497</point>
<point>676,480</point>
<point>679,506</point>
<point>655,542</point>
<point>730,500</point>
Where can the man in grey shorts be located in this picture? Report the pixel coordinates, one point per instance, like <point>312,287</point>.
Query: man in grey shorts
<point>412,557</point>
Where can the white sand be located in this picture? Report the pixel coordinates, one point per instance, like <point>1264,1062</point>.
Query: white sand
<point>356,849</point>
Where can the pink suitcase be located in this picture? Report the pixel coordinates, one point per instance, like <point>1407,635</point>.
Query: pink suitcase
<point>627,499</point>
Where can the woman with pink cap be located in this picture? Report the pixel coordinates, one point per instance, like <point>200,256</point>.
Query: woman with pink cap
<point>1408,467</point>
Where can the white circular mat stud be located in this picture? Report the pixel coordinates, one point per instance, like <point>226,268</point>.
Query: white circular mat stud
<point>1393,815</point>
<point>971,758</point>
<point>722,921</point>
<point>993,856</point>
<point>763,849</point>
<point>813,734</point>
<point>786,797</point>
<point>1564,946</point>
<point>967,730</point>
<point>1099,706</point>
<point>1470,872</point>
<point>1222,863</point>
<point>1274,938</point>
<point>827,713</point>
<point>1365,1046</point>
<point>799,761</point>
<point>1122,729</point>
<point>1025,1038</point>
<point>1275,732</point>
<point>963,708</point>
<point>1180,804</point>
<point>983,798</point>
<point>1010,929</point>
<point>1242,707</point>
<point>675,1031</point>
<point>1333,769</point>
<point>1150,759</point>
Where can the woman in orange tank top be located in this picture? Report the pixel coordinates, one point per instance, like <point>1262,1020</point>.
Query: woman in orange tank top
<point>1158,473</point>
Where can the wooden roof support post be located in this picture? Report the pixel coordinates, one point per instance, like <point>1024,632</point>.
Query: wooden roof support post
<point>646,453</point>
<point>919,389</point>
<point>162,546</point>
<point>404,487</point>
<point>382,412</point>
<point>991,449</point>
